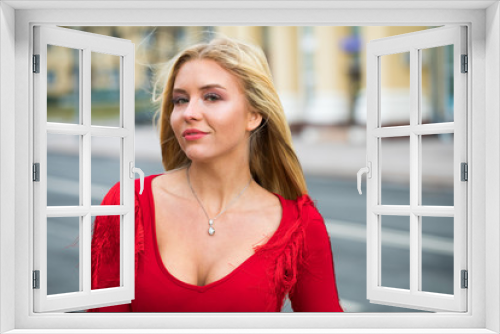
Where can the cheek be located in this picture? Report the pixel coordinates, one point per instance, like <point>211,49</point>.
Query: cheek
<point>230,126</point>
<point>174,122</point>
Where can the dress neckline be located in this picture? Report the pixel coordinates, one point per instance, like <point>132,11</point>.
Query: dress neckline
<point>203,288</point>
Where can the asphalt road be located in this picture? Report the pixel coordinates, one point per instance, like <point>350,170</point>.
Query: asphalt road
<point>343,209</point>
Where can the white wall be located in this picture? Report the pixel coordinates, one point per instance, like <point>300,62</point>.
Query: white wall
<point>7,160</point>
<point>7,155</point>
<point>492,163</point>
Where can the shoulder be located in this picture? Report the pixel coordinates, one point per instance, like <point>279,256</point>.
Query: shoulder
<point>172,181</point>
<point>303,210</point>
<point>265,201</point>
<point>148,180</point>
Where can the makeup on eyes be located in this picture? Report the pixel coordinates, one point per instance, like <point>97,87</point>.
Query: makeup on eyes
<point>209,96</point>
<point>177,99</point>
<point>214,96</point>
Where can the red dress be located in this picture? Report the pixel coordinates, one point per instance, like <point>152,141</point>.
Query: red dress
<point>296,260</point>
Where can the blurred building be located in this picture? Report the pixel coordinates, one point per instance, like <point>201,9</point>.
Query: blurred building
<point>318,71</point>
<point>310,69</point>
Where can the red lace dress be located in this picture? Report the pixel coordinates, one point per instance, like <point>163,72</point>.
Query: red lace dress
<point>296,261</point>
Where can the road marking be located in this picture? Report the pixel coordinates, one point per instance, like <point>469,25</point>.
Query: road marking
<point>348,305</point>
<point>390,237</point>
<point>351,306</point>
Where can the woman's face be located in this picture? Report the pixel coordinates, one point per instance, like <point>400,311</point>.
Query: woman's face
<point>211,118</point>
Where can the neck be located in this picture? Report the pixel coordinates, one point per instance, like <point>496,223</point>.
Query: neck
<point>217,185</point>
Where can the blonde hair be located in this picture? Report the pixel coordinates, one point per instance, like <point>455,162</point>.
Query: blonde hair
<point>273,162</point>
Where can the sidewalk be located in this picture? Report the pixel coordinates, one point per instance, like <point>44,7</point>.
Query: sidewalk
<point>324,152</point>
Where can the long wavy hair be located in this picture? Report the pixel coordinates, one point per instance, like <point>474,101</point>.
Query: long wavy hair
<point>273,162</point>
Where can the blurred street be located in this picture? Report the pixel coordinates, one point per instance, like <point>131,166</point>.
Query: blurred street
<point>320,75</point>
<point>330,165</point>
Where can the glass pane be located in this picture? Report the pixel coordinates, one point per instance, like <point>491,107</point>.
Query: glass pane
<point>105,167</point>
<point>437,169</point>
<point>63,170</point>
<point>106,251</point>
<point>105,90</point>
<point>437,254</point>
<point>395,251</point>
<point>437,84</point>
<point>63,84</point>
<point>395,170</point>
<point>63,255</point>
<point>395,89</point>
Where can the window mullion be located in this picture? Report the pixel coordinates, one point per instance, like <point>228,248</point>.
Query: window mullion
<point>85,93</point>
<point>414,171</point>
<point>418,189</point>
<point>81,251</point>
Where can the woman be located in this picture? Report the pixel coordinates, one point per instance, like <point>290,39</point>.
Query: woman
<point>229,227</point>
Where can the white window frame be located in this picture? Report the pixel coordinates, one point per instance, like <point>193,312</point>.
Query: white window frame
<point>483,21</point>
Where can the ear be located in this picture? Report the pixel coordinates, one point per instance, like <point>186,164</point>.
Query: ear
<point>254,120</point>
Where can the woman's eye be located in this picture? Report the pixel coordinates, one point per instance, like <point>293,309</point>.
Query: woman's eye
<point>212,97</point>
<point>179,100</point>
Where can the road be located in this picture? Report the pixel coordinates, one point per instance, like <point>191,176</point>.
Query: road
<point>343,209</point>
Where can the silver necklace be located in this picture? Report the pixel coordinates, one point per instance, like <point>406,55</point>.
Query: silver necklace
<point>211,230</point>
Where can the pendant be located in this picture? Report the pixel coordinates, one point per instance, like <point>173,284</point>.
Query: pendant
<point>211,230</point>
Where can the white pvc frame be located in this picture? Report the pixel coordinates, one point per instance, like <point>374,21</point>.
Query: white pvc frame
<point>414,43</point>
<point>86,43</point>
<point>483,19</point>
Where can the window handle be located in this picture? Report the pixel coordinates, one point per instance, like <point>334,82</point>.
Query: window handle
<point>367,170</point>
<point>134,170</point>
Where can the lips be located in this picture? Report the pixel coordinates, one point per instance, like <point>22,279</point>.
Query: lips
<point>192,134</point>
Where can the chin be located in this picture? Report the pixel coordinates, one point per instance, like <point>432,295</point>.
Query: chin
<point>197,156</point>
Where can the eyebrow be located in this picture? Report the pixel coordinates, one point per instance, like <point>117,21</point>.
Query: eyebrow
<point>180,90</point>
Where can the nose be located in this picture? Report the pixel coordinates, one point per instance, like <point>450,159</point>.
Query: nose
<point>192,110</point>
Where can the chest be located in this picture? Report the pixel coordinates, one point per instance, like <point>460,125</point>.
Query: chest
<point>192,256</point>
<point>248,288</point>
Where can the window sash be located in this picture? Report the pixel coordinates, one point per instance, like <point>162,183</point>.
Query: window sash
<point>414,298</point>
<point>86,43</point>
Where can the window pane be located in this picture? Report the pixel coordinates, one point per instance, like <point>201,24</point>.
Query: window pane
<point>395,251</point>
<point>105,89</point>
<point>437,84</point>
<point>395,89</point>
<point>63,84</point>
<point>105,167</point>
<point>63,255</point>
<point>437,169</point>
<point>437,254</point>
<point>63,170</point>
<point>395,170</point>
<point>106,231</point>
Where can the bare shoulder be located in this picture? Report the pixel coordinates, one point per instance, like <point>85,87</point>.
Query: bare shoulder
<point>171,182</point>
<point>266,204</point>
<point>266,198</point>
